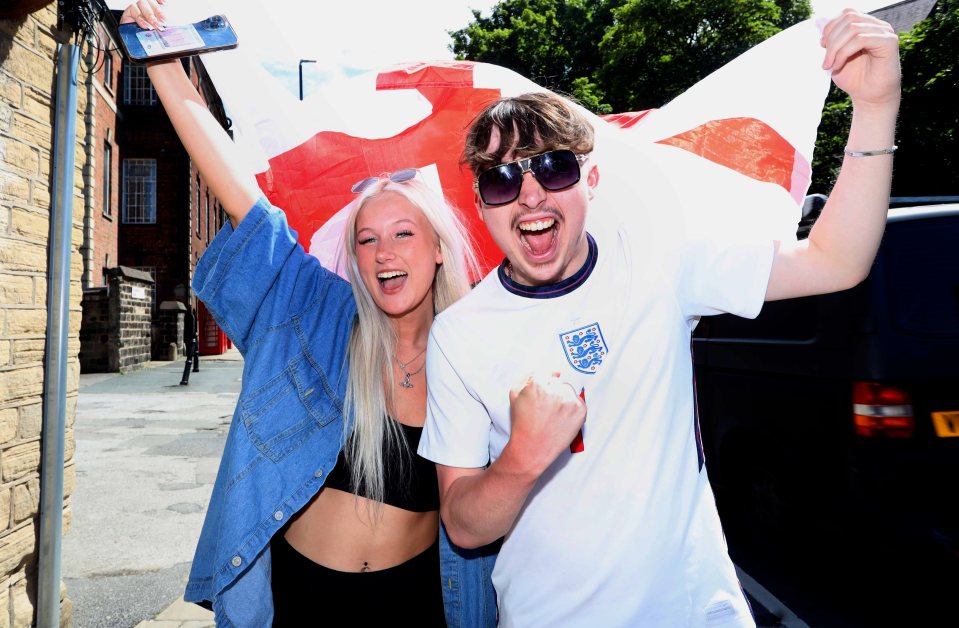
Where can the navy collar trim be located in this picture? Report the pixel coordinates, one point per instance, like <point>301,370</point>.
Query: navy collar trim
<point>550,291</point>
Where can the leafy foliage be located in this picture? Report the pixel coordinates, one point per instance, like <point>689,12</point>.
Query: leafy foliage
<point>831,141</point>
<point>621,55</point>
<point>551,42</point>
<point>928,139</point>
<point>628,55</point>
<point>656,49</point>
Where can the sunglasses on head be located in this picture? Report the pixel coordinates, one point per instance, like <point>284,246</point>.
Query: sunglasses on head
<point>400,176</point>
<point>554,170</point>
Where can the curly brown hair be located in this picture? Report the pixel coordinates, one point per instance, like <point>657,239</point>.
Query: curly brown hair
<point>533,123</point>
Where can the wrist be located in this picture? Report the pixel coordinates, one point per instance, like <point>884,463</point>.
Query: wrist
<point>522,466</point>
<point>880,110</point>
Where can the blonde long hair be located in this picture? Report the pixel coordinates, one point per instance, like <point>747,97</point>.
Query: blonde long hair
<point>373,340</point>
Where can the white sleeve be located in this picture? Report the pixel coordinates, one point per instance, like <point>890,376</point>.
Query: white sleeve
<point>717,276</point>
<point>457,428</point>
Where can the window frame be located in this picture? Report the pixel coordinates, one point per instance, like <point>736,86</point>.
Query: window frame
<point>136,82</point>
<point>149,191</point>
<point>106,181</point>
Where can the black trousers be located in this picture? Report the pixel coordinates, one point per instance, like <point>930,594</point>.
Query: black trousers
<point>192,360</point>
<point>306,593</point>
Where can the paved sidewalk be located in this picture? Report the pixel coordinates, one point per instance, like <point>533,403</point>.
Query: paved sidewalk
<point>182,614</point>
<point>147,451</point>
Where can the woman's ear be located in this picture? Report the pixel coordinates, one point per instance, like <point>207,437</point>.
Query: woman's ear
<point>439,255</point>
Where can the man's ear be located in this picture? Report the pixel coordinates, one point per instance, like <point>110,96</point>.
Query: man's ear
<point>592,180</point>
<point>479,205</point>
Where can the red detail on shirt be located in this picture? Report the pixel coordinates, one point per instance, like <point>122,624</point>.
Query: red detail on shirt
<point>577,446</point>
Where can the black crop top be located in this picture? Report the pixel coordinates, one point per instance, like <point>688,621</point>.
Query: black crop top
<point>411,486</point>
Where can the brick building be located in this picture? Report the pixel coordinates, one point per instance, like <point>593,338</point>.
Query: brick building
<point>168,215</point>
<point>100,79</point>
<point>146,209</point>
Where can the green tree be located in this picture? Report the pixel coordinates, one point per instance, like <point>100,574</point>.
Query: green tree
<point>928,156</point>
<point>656,49</point>
<point>830,141</point>
<point>620,55</point>
<point>551,42</point>
<point>927,133</point>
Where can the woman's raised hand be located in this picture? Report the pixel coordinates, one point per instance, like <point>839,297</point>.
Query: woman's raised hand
<point>146,13</point>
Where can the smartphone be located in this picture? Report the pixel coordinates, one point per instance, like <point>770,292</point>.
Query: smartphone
<point>142,46</point>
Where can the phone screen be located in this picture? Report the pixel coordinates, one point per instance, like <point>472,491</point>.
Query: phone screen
<point>170,40</point>
<point>140,45</point>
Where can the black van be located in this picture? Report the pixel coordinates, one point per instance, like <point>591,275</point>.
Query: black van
<point>842,410</point>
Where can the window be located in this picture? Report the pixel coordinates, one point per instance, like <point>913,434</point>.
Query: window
<point>918,266</point>
<point>197,221</point>
<point>108,70</point>
<point>150,270</point>
<point>107,179</point>
<point>137,88</point>
<point>139,191</point>
<point>208,217</point>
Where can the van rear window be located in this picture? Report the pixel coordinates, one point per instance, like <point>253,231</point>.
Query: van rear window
<point>921,272</point>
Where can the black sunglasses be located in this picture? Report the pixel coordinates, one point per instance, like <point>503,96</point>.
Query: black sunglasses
<point>554,170</point>
<point>400,176</point>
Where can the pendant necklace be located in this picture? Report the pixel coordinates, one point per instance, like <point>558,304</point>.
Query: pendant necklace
<point>406,383</point>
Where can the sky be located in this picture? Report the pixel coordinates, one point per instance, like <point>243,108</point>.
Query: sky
<point>345,38</point>
<point>349,37</point>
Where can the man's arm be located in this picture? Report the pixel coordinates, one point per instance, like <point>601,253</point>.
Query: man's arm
<point>863,54</point>
<point>479,506</point>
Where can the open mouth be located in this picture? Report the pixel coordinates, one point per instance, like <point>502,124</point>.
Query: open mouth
<point>391,280</point>
<point>538,236</point>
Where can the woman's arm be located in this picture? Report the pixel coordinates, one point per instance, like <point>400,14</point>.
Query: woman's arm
<point>208,145</point>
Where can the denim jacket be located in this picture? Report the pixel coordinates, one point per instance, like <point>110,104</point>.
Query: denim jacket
<point>291,320</point>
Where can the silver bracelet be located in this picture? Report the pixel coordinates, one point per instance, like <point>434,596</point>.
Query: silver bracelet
<point>872,153</point>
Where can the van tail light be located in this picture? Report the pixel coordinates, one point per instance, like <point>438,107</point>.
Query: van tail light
<point>880,411</point>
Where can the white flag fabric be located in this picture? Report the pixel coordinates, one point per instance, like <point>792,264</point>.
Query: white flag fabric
<point>734,152</point>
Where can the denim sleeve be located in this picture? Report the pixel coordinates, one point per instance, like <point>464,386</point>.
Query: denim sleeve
<point>257,276</point>
<point>469,599</point>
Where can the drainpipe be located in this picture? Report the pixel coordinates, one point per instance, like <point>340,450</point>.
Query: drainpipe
<point>89,168</point>
<point>58,330</point>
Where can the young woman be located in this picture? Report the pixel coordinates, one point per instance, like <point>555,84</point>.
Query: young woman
<point>320,497</point>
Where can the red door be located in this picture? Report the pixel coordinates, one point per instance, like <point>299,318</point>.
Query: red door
<point>213,340</point>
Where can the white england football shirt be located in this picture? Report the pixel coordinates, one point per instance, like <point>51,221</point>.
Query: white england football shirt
<point>625,532</point>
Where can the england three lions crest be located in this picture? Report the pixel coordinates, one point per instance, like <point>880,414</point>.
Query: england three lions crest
<point>585,348</point>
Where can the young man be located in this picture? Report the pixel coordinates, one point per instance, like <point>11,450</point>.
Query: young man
<point>610,520</point>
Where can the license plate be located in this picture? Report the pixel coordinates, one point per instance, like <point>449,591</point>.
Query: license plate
<point>946,423</point>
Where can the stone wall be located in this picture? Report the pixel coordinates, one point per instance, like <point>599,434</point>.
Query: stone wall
<point>130,344</point>
<point>27,107</point>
